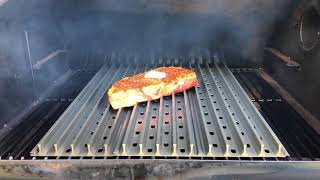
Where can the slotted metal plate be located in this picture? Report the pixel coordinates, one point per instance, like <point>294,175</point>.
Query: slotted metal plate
<point>215,119</point>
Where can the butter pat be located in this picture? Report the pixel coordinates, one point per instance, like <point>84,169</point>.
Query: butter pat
<point>155,75</point>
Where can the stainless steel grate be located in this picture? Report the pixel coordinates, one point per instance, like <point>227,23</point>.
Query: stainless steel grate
<point>215,119</point>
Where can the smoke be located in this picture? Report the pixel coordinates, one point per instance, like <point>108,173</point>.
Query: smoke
<point>174,28</point>
<point>2,2</point>
<point>91,30</point>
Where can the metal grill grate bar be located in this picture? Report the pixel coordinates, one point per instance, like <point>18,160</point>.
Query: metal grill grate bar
<point>215,119</point>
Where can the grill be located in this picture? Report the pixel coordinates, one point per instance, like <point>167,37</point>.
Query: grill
<point>215,119</point>
<point>254,113</point>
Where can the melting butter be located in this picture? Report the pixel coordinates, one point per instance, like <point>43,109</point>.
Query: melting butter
<point>155,75</point>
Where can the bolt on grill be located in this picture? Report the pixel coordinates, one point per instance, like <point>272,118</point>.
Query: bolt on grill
<point>215,119</point>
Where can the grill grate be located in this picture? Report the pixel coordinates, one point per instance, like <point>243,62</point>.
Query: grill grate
<point>215,119</point>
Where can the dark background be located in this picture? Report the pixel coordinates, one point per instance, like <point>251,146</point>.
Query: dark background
<point>144,29</point>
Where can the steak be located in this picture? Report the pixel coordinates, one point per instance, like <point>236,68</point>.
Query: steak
<point>151,85</point>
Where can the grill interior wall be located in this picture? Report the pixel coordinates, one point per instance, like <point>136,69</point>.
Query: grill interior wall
<point>286,39</point>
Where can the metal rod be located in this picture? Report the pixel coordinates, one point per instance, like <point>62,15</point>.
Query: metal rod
<point>31,66</point>
<point>47,58</point>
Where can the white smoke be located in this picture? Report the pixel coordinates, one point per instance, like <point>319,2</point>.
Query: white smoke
<point>2,2</point>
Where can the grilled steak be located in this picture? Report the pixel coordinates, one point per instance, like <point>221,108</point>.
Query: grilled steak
<point>150,85</point>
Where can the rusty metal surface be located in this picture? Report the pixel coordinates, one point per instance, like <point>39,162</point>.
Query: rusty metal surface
<point>176,169</point>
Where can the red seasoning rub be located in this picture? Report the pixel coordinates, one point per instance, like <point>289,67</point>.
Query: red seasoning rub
<point>151,85</point>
